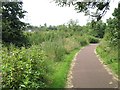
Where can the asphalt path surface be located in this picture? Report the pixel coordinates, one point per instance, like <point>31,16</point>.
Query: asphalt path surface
<point>89,72</point>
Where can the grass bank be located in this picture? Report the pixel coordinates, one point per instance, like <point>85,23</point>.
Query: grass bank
<point>109,57</point>
<point>62,69</point>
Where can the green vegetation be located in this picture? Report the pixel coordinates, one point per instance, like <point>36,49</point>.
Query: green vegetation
<point>44,64</point>
<point>24,68</point>
<point>109,56</point>
<point>41,58</point>
<point>100,8</point>
<point>12,26</point>
<point>108,48</point>
<point>61,71</point>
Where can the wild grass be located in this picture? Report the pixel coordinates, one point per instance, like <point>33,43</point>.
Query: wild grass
<point>45,63</point>
<point>109,56</point>
<point>59,76</point>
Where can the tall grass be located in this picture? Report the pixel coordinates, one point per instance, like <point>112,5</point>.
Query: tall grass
<point>109,56</point>
<point>54,50</point>
<point>45,64</point>
<point>62,68</point>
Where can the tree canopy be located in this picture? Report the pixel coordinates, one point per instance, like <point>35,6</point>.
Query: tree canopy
<point>87,6</point>
<point>12,26</point>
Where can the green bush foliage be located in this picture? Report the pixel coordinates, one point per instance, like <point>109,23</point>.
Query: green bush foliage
<point>24,68</point>
<point>108,48</point>
<point>12,26</point>
<point>92,39</point>
<point>32,67</point>
<point>83,41</point>
<point>50,48</point>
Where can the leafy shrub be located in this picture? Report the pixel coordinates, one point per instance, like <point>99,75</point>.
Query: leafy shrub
<point>92,39</point>
<point>25,68</point>
<point>83,41</point>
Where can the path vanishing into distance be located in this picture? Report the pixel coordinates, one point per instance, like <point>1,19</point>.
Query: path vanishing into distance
<point>89,72</point>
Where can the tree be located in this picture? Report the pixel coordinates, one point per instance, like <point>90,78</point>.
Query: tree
<point>99,29</point>
<point>73,25</point>
<point>12,27</point>
<point>86,6</point>
<point>113,28</point>
<point>62,27</point>
<point>0,23</point>
<point>116,14</point>
<point>52,27</point>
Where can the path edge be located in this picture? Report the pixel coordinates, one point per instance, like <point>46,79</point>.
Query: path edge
<point>106,66</point>
<point>69,76</point>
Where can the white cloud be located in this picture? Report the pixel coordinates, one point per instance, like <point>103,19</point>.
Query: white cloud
<point>42,11</point>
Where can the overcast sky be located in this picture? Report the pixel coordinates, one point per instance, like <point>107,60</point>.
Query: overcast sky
<point>42,11</point>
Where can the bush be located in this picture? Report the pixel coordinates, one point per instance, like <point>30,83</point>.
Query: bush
<point>83,41</point>
<point>25,68</point>
<point>92,39</point>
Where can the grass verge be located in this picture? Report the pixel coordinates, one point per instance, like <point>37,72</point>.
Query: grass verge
<point>62,68</point>
<point>109,58</point>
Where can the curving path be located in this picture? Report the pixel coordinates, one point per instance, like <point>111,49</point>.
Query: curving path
<point>88,72</point>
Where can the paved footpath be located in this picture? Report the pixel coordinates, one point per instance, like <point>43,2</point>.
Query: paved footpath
<point>88,72</point>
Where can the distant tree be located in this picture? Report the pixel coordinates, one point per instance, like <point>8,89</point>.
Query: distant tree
<point>62,27</point>
<point>52,27</point>
<point>45,24</point>
<point>99,29</point>
<point>72,22</point>
<point>73,25</point>
<point>44,27</point>
<point>12,26</point>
